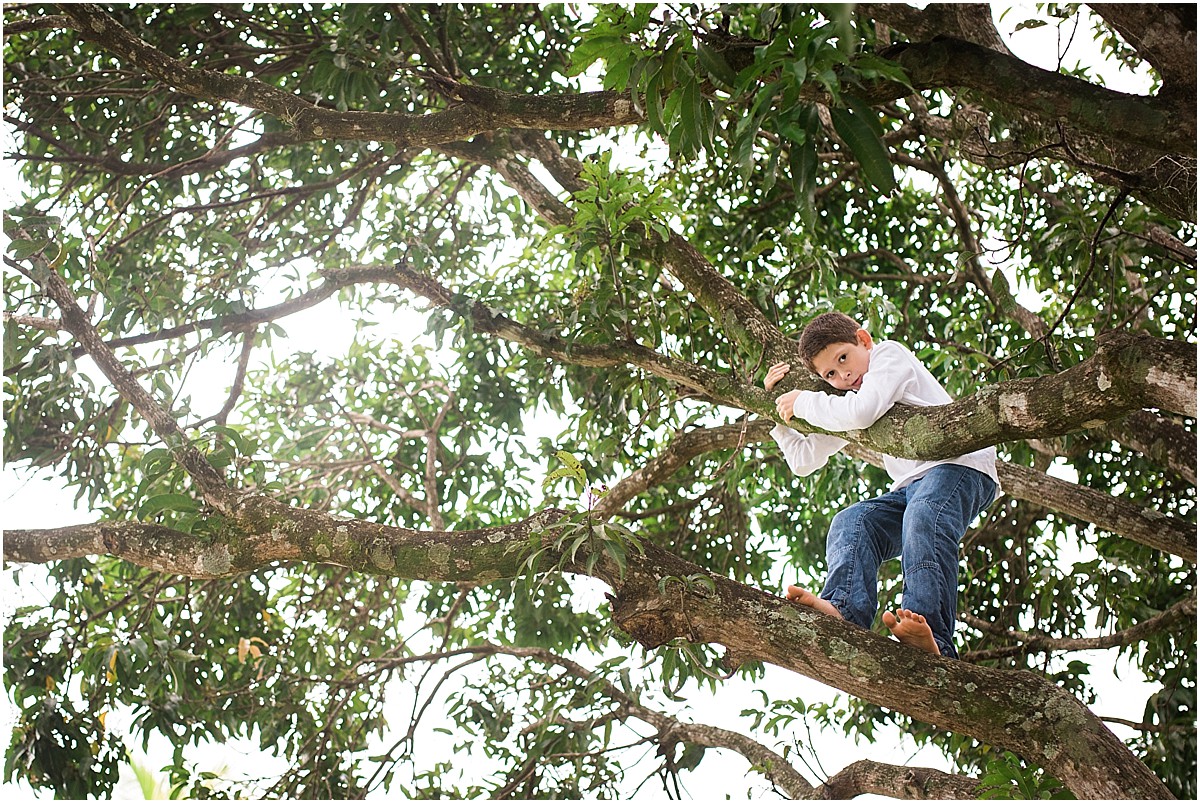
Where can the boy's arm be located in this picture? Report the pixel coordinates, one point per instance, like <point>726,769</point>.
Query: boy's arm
<point>892,372</point>
<point>806,453</point>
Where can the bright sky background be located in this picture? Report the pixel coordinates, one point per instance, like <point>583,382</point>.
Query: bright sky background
<point>39,500</point>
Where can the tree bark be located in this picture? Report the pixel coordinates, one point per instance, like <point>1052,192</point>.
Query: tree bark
<point>971,22</point>
<point>903,783</point>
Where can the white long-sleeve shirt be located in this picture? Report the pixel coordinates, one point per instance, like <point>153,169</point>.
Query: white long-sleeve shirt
<point>894,376</point>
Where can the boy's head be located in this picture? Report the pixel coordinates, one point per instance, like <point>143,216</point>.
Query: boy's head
<point>835,348</point>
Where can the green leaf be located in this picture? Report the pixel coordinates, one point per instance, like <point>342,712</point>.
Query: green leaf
<point>799,69</point>
<point>867,147</point>
<point>23,249</point>
<point>244,445</point>
<point>715,64</point>
<point>689,119</point>
<point>692,755</point>
<point>654,103</point>
<point>174,503</point>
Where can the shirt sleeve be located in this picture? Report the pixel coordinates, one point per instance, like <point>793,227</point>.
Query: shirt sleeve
<point>892,372</point>
<point>806,453</point>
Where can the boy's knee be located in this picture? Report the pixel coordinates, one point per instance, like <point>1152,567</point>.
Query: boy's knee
<point>845,519</point>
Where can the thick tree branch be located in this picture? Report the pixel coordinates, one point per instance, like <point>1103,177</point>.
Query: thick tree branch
<point>971,22</point>
<point>212,159</point>
<point>18,27</point>
<point>1075,747</point>
<point>1160,126</point>
<point>1127,373</point>
<point>33,321</point>
<point>1050,724</point>
<point>1164,34</point>
<point>1109,513</point>
<point>868,777</point>
<point>482,108</point>
<point>266,532</point>
<point>1167,183</point>
<point>1158,438</point>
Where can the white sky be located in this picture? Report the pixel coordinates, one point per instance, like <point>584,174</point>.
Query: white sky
<point>41,501</point>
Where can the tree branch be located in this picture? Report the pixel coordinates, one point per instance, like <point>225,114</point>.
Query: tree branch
<point>482,109</point>
<point>115,165</point>
<point>776,768</point>
<point>208,480</point>
<point>265,531</point>
<point>1160,34</point>
<point>977,701</point>
<point>18,27</point>
<point>243,321</point>
<point>868,777</point>
<point>1030,321</point>
<point>47,324</point>
<point>1036,642</point>
<point>1159,439</point>
<point>1162,127</point>
<point>968,21</point>
<point>729,308</point>
<point>1109,513</point>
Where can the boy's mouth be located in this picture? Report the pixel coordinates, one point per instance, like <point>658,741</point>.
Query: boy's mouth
<point>856,384</point>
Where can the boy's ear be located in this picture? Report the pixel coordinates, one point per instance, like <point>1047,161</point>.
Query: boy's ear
<point>864,338</point>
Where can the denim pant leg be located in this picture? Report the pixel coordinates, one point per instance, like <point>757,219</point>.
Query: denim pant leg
<point>941,505</point>
<point>861,537</point>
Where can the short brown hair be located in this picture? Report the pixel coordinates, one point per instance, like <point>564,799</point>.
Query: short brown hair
<point>823,331</point>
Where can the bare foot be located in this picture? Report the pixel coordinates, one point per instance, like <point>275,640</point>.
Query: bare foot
<point>911,629</point>
<point>811,600</point>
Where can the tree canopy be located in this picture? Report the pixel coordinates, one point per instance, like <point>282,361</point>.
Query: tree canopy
<point>609,221</point>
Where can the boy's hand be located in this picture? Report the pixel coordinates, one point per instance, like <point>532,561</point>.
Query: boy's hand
<point>785,404</point>
<point>775,373</point>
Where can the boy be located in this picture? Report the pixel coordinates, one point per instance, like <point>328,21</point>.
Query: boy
<point>931,503</point>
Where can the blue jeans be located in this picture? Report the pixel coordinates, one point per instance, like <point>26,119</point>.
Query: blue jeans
<point>922,524</point>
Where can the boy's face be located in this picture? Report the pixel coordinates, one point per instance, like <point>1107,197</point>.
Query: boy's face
<point>844,365</point>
